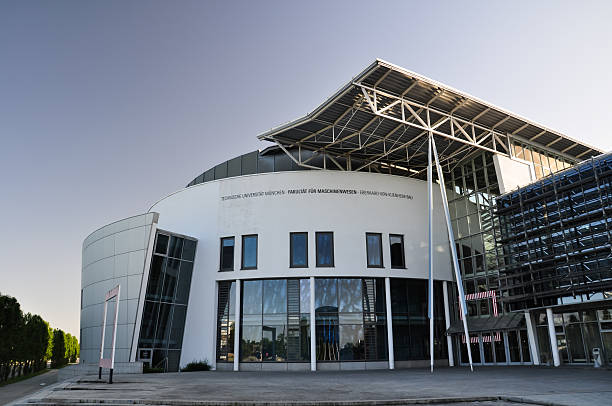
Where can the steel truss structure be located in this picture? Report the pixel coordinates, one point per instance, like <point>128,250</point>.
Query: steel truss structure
<point>380,121</point>
<point>555,238</point>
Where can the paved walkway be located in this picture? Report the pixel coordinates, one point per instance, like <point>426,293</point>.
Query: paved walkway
<point>560,386</point>
<point>26,387</point>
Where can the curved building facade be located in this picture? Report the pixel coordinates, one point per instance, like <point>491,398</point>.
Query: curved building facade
<point>314,253</point>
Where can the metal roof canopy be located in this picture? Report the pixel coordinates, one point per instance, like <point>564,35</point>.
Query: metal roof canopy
<point>381,119</point>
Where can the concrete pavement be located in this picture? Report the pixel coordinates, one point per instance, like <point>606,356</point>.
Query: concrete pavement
<point>546,386</point>
<point>26,387</point>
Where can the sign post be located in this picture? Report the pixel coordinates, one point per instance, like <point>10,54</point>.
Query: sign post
<point>109,362</point>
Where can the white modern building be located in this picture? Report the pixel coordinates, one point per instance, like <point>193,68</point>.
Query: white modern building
<point>313,253</point>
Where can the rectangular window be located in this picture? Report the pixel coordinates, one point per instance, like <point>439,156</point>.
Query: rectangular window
<point>298,250</point>
<point>396,243</point>
<point>249,251</point>
<point>227,254</point>
<point>374,250</point>
<point>325,249</point>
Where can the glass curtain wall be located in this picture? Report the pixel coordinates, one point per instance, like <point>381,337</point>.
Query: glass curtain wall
<point>411,322</point>
<point>350,320</point>
<point>165,307</point>
<point>473,186</point>
<point>226,319</point>
<point>544,162</point>
<point>275,320</point>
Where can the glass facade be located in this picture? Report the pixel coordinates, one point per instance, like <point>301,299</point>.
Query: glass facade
<point>544,162</point>
<point>274,321</point>
<point>165,307</point>
<point>350,320</point>
<point>554,238</point>
<point>472,187</point>
<point>411,322</point>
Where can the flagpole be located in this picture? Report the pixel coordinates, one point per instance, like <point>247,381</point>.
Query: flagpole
<point>430,236</point>
<point>453,248</point>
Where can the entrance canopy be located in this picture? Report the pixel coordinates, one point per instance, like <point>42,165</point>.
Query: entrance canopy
<point>380,120</point>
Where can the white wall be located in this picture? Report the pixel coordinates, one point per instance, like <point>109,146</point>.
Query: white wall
<point>200,212</point>
<point>512,172</point>
<point>113,255</point>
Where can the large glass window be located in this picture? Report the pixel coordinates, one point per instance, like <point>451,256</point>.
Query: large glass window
<point>349,326</point>
<point>325,249</point>
<point>273,327</point>
<point>249,252</point>
<point>374,250</point>
<point>396,243</point>
<point>227,254</point>
<point>166,299</point>
<point>298,250</point>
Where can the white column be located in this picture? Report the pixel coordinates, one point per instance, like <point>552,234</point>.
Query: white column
<point>449,341</point>
<point>532,337</point>
<point>553,337</point>
<point>389,323</point>
<point>237,313</point>
<point>313,330</point>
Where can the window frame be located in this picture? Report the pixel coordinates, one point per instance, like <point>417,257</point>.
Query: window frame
<point>401,236</point>
<point>333,261</point>
<point>221,269</point>
<point>380,251</point>
<point>242,267</point>
<point>291,234</point>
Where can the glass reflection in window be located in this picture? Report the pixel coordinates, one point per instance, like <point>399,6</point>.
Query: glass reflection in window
<point>227,254</point>
<point>374,250</point>
<point>325,249</point>
<point>396,243</point>
<point>298,250</point>
<point>249,251</point>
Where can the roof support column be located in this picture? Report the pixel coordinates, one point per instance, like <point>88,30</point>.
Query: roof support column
<point>389,323</point>
<point>238,312</point>
<point>453,249</point>
<point>532,337</point>
<point>313,329</point>
<point>553,337</point>
<point>449,339</point>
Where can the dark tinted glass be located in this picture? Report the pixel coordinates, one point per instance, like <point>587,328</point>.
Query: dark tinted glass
<point>275,296</point>
<point>170,278</point>
<point>374,250</point>
<point>189,248</point>
<point>227,254</point>
<point>249,252</point>
<point>184,282</point>
<point>234,167</point>
<point>176,246</point>
<point>162,244</point>
<point>163,325</point>
<point>352,346</point>
<point>155,277</point>
<point>178,326</point>
<point>299,250</point>
<point>149,320</point>
<point>325,249</point>
<point>397,251</point>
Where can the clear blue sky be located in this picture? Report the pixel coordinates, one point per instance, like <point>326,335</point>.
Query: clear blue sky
<point>107,106</point>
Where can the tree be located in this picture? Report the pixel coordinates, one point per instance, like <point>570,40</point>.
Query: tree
<point>11,322</point>
<point>36,337</point>
<point>58,353</point>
